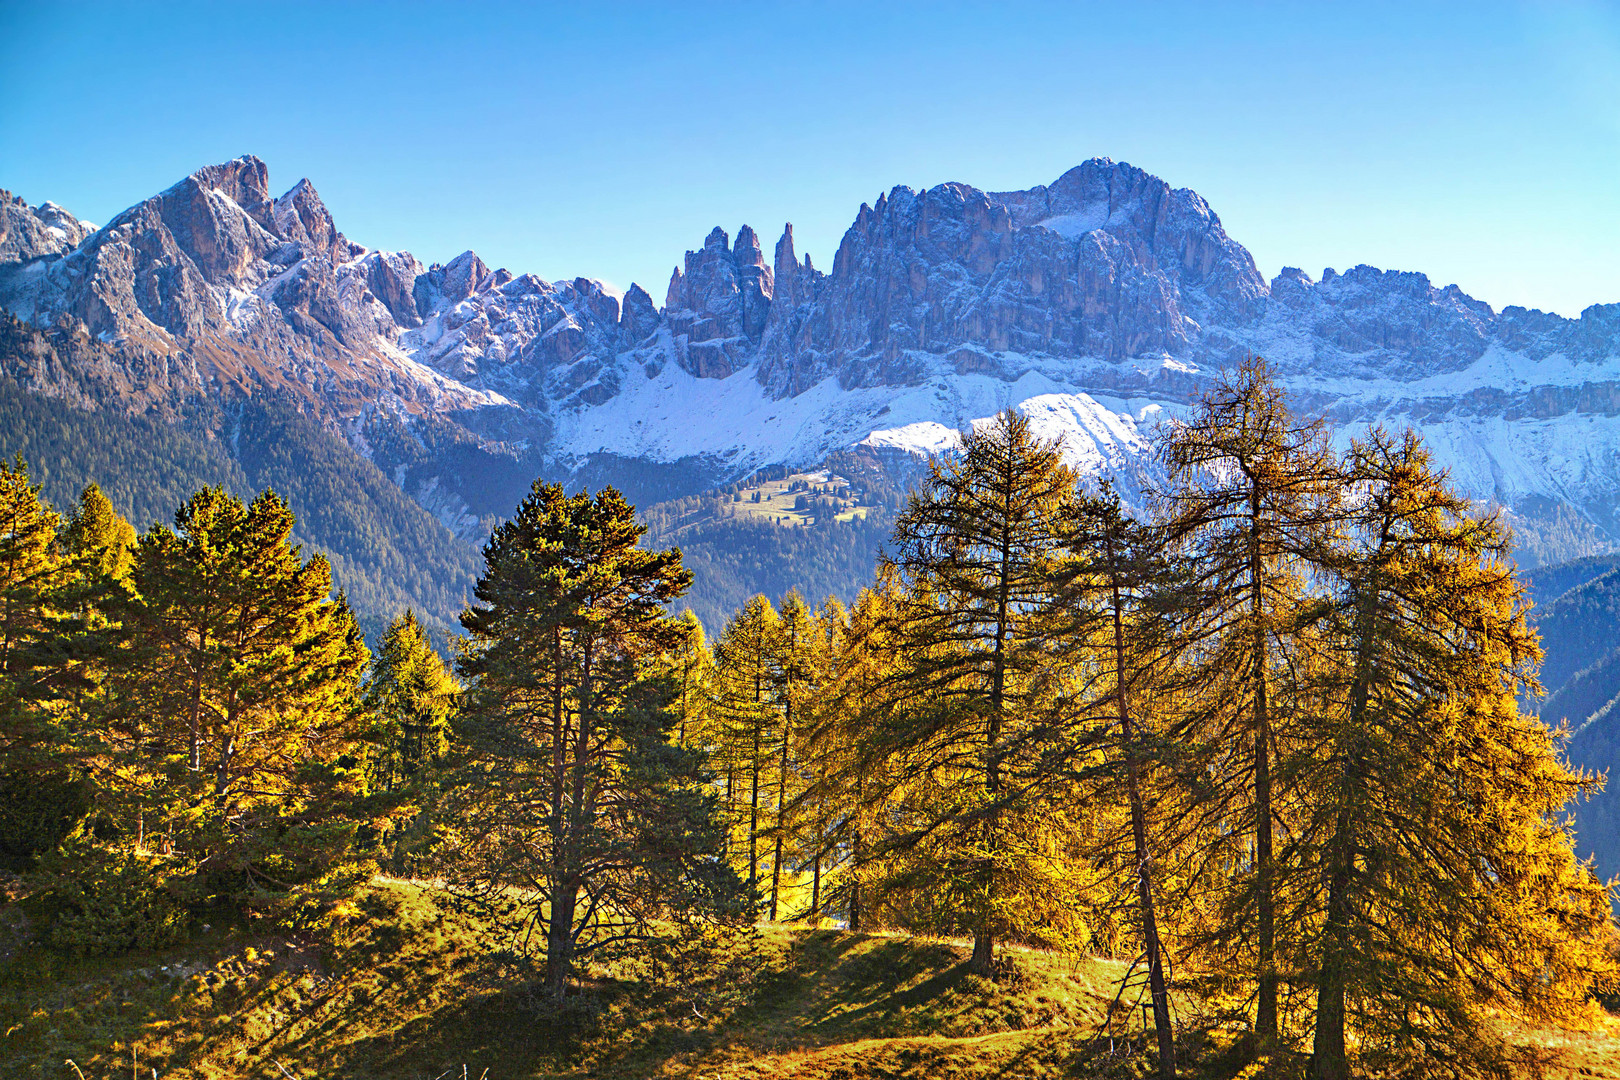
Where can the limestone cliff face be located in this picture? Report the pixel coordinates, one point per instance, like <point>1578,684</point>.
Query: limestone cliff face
<point>717,308</point>
<point>29,232</point>
<point>217,288</point>
<point>939,306</point>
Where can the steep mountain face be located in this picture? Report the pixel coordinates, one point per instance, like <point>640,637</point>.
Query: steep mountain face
<point>1101,304</point>
<point>213,287</point>
<point>30,232</point>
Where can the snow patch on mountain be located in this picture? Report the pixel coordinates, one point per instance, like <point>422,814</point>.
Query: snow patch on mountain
<point>1100,305</point>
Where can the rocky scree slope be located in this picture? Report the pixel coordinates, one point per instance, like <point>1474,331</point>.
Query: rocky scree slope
<point>1100,304</point>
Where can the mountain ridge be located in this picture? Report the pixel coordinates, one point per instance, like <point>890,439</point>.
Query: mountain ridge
<point>1102,302</point>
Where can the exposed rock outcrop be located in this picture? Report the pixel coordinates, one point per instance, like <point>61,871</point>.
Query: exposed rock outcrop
<point>29,232</point>
<point>1106,291</point>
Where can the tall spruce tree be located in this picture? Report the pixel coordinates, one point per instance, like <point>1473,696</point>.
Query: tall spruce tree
<point>1253,499</point>
<point>574,799</point>
<point>1446,886</point>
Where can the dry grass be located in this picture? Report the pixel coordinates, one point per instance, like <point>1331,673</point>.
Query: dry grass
<point>777,499</point>
<point>407,988</point>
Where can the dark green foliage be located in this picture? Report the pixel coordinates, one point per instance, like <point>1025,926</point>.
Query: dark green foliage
<point>103,902</point>
<point>1579,628</point>
<point>573,799</point>
<point>37,812</point>
<point>387,553</point>
<point>146,467</point>
<point>732,560</point>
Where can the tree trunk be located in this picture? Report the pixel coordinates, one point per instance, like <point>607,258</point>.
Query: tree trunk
<point>753,811</point>
<point>983,959</point>
<point>560,930</point>
<point>194,725</point>
<point>857,855</point>
<point>1329,1058</point>
<point>1265,1021</point>
<point>560,939</point>
<point>815,892</point>
<point>781,802</point>
<point>1157,986</point>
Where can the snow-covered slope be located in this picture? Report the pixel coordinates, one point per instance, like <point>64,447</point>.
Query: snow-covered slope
<point>1100,305</point>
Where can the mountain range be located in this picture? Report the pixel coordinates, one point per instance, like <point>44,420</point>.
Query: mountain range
<point>218,333</point>
<point>1100,304</point>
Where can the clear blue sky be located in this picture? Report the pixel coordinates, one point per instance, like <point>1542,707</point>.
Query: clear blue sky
<point>1477,142</point>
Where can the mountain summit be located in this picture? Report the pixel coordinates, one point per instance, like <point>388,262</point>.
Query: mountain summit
<point>1101,302</point>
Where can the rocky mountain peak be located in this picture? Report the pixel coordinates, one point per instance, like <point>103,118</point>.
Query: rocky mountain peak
<point>942,304</point>
<point>29,232</point>
<point>719,304</point>
<point>301,216</point>
<point>244,180</point>
<point>785,290</point>
<point>463,275</point>
<point>638,318</point>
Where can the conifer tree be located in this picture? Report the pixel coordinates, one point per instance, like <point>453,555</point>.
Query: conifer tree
<point>30,571</point>
<point>746,659</point>
<point>234,731</point>
<point>797,655</point>
<point>818,810</point>
<point>975,550</point>
<point>692,666</point>
<point>1253,499</point>
<point>99,536</point>
<point>1119,592</point>
<point>574,798</point>
<point>1446,882</point>
<point>410,696</point>
<point>840,801</point>
<point>39,794</point>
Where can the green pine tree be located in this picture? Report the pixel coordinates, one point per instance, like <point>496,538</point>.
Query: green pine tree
<point>410,696</point>
<point>236,730</point>
<point>574,799</point>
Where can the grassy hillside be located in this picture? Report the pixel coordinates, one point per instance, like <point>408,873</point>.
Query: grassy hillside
<point>405,986</point>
